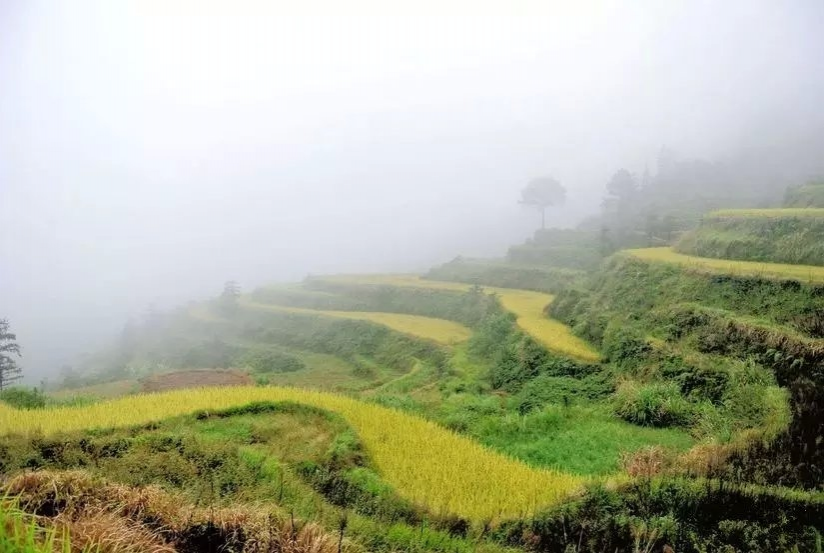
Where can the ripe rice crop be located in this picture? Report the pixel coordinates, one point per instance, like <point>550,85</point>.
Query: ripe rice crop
<point>527,306</point>
<point>437,330</point>
<point>425,462</point>
<point>803,273</point>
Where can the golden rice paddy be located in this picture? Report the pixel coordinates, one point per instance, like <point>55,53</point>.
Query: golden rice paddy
<point>425,462</point>
<point>803,273</point>
<point>437,330</point>
<point>527,306</point>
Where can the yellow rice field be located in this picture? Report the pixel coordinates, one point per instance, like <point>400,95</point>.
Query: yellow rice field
<point>425,462</point>
<point>437,330</point>
<point>527,306</point>
<point>803,273</point>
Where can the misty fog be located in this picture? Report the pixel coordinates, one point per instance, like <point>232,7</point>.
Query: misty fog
<point>149,151</point>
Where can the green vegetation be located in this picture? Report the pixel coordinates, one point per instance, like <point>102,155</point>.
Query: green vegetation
<point>21,533</point>
<point>584,439</point>
<point>428,328</point>
<point>573,249</point>
<point>661,400</point>
<point>529,308</point>
<point>807,274</point>
<point>805,195</point>
<point>23,398</point>
<point>794,236</point>
<point>505,275</point>
<point>683,515</point>
<point>461,303</point>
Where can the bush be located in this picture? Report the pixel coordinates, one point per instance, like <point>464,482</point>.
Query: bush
<point>562,390</point>
<point>624,345</point>
<point>23,398</point>
<point>653,404</point>
<point>673,515</point>
<point>709,382</point>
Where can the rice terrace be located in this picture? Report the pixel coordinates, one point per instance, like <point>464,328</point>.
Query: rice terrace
<point>533,277</point>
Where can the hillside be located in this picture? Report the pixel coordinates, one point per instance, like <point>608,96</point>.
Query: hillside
<point>789,235</point>
<point>486,406</point>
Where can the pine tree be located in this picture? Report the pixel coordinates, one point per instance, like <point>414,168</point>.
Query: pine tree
<point>10,371</point>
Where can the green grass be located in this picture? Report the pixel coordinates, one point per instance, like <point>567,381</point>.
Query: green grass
<point>20,532</point>
<point>498,272</point>
<point>327,372</point>
<point>583,439</point>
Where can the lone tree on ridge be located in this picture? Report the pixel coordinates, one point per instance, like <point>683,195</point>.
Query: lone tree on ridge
<point>542,193</point>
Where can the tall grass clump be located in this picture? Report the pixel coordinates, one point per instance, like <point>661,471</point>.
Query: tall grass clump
<point>654,404</point>
<point>21,533</point>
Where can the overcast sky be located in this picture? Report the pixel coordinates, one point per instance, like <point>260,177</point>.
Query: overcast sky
<point>151,150</point>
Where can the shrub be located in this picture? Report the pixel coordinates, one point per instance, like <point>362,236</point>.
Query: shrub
<point>674,515</point>
<point>624,345</point>
<point>658,404</point>
<point>23,398</point>
<point>546,389</point>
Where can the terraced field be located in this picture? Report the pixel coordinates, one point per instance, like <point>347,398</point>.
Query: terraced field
<point>423,461</point>
<point>779,212</point>
<point>803,273</point>
<point>526,305</point>
<point>437,330</point>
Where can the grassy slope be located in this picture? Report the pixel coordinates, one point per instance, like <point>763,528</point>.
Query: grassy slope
<point>720,338</point>
<point>424,462</point>
<point>584,439</point>
<point>494,272</point>
<point>791,235</point>
<point>806,195</point>
<point>773,213</point>
<point>528,306</point>
<point>429,328</point>
<point>804,273</point>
